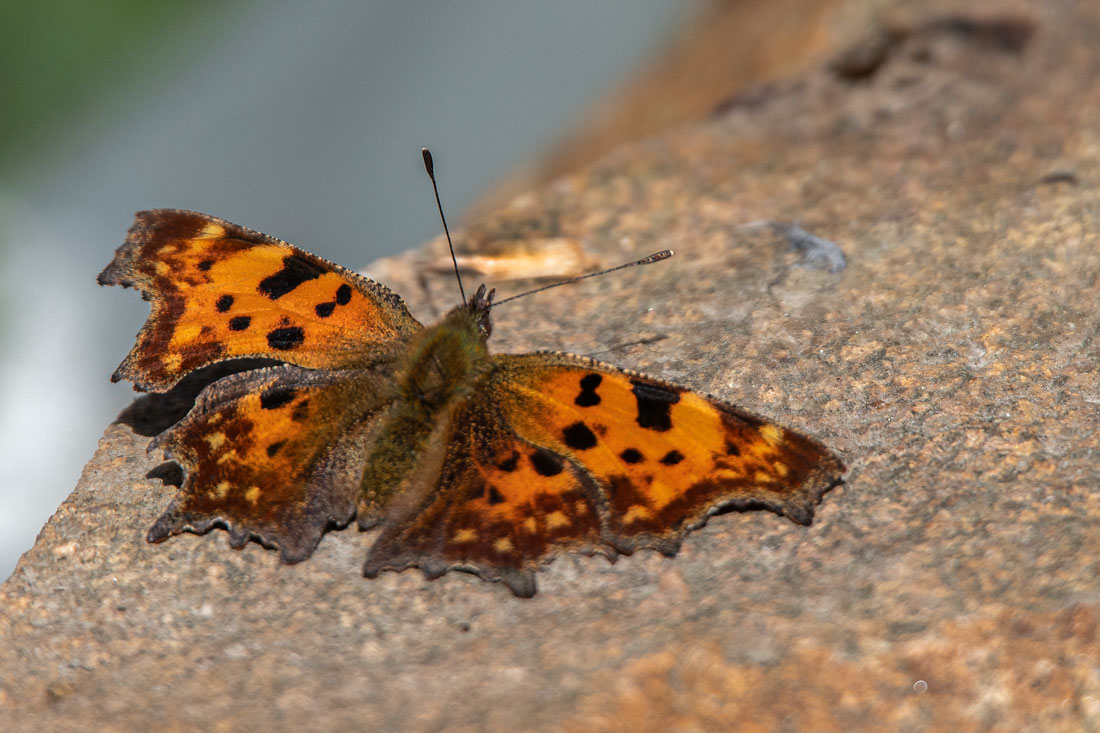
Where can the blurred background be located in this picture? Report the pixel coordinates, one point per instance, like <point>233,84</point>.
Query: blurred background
<point>302,120</point>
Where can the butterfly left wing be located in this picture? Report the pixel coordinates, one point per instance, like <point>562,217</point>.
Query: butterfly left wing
<point>556,452</point>
<point>272,454</point>
<point>220,291</point>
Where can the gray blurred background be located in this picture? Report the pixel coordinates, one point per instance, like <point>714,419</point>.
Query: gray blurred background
<point>302,120</point>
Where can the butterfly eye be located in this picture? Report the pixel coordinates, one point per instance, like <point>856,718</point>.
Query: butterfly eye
<point>480,305</point>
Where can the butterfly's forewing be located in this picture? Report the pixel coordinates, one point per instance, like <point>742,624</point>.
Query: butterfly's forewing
<point>663,457</point>
<point>557,452</point>
<point>273,454</point>
<point>220,291</point>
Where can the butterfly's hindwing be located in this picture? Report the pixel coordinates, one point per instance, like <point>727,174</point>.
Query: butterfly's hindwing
<point>498,506</point>
<point>273,454</point>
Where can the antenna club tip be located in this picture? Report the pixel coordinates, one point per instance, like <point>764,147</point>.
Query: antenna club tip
<point>664,254</point>
<point>429,165</point>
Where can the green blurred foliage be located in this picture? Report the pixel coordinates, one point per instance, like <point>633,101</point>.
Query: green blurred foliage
<point>56,55</point>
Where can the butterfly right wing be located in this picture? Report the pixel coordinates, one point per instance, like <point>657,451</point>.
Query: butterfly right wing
<point>665,457</point>
<point>555,453</point>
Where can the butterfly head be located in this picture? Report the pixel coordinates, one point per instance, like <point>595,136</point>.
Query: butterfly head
<point>479,306</point>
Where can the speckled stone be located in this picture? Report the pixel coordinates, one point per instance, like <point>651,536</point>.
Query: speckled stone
<point>951,584</point>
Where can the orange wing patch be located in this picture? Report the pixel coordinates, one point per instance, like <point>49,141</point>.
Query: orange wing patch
<point>271,453</point>
<point>664,457</point>
<point>221,291</point>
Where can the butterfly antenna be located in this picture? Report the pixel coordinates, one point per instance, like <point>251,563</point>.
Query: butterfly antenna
<point>429,166</point>
<point>655,257</point>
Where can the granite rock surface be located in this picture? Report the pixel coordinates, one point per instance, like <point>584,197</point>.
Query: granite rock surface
<point>950,584</point>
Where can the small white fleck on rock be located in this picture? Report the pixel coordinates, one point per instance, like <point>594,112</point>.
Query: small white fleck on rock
<point>236,651</point>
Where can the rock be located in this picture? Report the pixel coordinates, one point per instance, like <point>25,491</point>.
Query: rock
<point>951,583</point>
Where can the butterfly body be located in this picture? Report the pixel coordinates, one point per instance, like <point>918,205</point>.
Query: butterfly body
<point>439,369</point>
<point>492,464</point>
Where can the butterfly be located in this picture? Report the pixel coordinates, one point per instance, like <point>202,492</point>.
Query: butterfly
<point>466,460</point>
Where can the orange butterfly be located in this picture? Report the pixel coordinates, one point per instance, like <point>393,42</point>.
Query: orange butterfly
<point>492,464</point>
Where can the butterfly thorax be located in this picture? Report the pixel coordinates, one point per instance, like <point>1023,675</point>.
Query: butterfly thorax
<point>442,362</point>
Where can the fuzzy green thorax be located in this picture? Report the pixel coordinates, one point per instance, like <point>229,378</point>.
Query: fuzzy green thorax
<point>438,369</point>
<point>443,361</point>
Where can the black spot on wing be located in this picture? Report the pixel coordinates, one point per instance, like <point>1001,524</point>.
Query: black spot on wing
<point>589,382</point>
<point>732,449</point>
<point>546,463</point>
<point>274,448</point>
<point>240,323</point>
<point>619,486</point>
<point>224,303</point>
<point>509,464</point>
<point>287,337</point>
<point>275,397</point>
<point>297,269</point>
<point>343,294</point>
<point>588,396</point>
<point>653,405</point>
<point>672,457</point>
<point>632,455</point>
<point>301,411</point>
<point>587,399</point>
<point>205,265</point>
<point>494,496</point>
<point>579,437</point>
<point>324,310</point>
